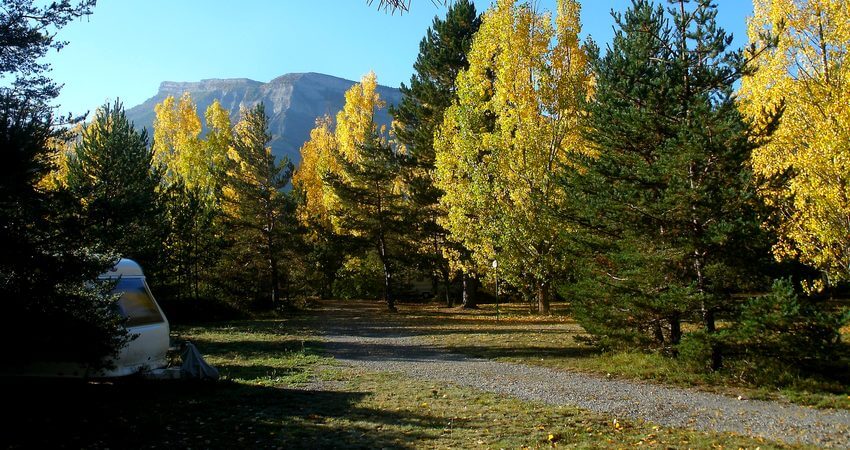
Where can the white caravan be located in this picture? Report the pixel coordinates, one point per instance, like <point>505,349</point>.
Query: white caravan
<point>144,321</point>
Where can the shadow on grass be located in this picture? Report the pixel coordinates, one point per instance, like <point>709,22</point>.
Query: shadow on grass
<point>140,414</point>
<point>249,348</point>
<point>372,352</point>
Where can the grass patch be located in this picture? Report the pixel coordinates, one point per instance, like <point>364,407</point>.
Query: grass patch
<point>556,341</point>
<point>280,391</point>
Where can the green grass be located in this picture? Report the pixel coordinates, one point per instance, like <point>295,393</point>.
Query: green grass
<point>280,391</point>
<point>556,341</point>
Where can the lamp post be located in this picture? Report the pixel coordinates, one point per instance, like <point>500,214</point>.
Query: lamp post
<point>495,267</point>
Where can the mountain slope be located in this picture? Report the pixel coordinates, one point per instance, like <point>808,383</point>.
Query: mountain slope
<point>293,103</point>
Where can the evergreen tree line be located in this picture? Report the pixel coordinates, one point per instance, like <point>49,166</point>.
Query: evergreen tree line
<point>214,230</point>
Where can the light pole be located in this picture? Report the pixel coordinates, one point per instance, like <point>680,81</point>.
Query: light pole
<point>495,270</point>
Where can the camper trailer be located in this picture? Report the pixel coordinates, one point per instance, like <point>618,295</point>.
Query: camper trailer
<point>144,321</point>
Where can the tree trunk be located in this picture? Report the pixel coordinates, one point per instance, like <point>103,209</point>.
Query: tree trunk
<point>675,334</point>
<point>450,302</point>
<point>468,292</point>
<point>387,293</point>
<point>542,298</point>
<point>659,333</point>
<point>275,297</point>
<point>707,315</point>
<point>382,253</point>
<point>711,328</point>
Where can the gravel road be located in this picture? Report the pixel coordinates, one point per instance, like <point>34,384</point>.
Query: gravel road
<point>374,342</point>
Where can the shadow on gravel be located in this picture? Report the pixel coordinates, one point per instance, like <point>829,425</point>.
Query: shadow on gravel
<point>525,352</point>
<point>363,351</point>
<point>140,414</point>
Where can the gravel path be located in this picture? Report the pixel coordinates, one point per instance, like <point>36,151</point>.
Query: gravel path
<point>372,342</point>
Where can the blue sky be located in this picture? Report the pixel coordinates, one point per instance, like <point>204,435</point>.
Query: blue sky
<point>126,48</point>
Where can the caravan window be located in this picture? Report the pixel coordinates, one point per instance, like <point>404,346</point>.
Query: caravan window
<point>136,303</point>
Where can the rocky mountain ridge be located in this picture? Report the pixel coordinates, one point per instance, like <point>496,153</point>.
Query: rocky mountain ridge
<point>293,103</point>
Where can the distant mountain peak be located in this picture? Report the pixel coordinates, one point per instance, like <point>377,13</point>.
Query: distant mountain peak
<point>170,87</point>
<point>293,102</point>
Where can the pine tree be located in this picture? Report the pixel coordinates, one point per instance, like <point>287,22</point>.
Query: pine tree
<point>370,206</point>
<point>46,270</point>
<point>111,173</point>
<point>442,56</point>
<point>259,214</point>
<point>670,198</point>
<point>27,34</point>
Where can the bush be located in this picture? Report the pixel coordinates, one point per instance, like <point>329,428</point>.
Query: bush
<point>360,277</point>
<point>782,327</point>
<point>695,350</point>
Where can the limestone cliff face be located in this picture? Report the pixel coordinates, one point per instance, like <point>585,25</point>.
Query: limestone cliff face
<point>293,103</point>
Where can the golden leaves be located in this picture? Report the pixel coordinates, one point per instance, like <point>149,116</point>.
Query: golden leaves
<point>327,146</point>
<point>501,144</point>
<point>178,147</point>
<point>808,74</point>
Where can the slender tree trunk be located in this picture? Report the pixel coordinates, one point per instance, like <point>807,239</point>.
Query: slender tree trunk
<point>542,298</point>
<point>382,252</point>
<point>708,316</point>
<point>469,301</point>
<point>716,351</point>
<point>327,290</point>
<point>275,298</point>
<point>675,333</point>
<point>659,333</point>
<point>450,302</point>
<point>273,267</point>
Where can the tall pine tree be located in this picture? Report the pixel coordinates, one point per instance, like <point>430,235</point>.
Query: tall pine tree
<point>260,215</point>
<point>112,175</point>
<point>45,269</point>
<point>442,55</point>
<point>370,206</point>
<point>670,196</point>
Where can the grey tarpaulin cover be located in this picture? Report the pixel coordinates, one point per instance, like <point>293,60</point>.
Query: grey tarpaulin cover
<point>194,366</point>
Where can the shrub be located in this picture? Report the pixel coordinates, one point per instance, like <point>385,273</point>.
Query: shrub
<point>359,277</point>
<point>783,328</point>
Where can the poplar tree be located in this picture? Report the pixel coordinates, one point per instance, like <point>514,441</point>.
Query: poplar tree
<point>442,56</point>
<point>502,144</point>
<point>325,155</point>
<point>804,168</point>
<point>670,197</point>
<point>178,146</point>
<point>327,248</point>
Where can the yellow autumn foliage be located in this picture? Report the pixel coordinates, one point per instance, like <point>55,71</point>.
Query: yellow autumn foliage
<point>178,147</point>
<point>327,146</point>
<point>808,74</point>
<point>501,145</point>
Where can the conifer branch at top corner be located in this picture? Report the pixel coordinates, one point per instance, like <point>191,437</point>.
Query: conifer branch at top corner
<point>402,6</point>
